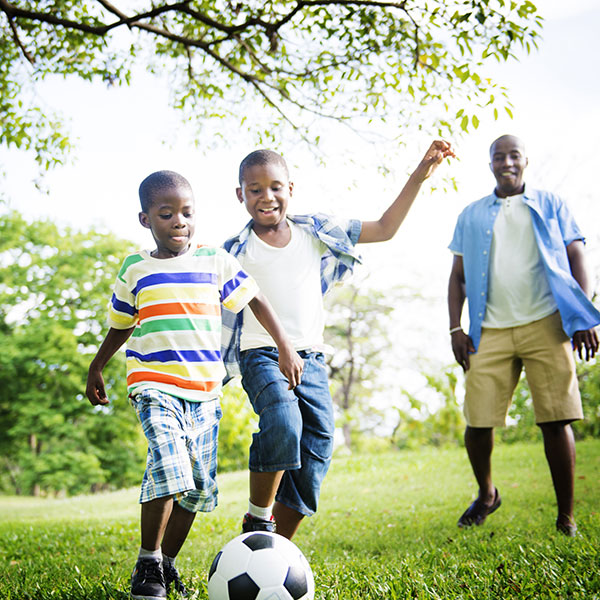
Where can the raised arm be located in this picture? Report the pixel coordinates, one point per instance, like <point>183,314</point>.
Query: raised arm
<point>114,339</point>
<point>386,227</point>
<point>462,345</point>
<point>290,363</point>
<point>587,338</point>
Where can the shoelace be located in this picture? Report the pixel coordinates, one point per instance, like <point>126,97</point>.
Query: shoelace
<point>151,572</point>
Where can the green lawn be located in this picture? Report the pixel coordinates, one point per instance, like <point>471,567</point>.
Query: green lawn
<point>386,529</point>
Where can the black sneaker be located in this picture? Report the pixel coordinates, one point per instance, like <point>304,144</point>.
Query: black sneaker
<point>173,580</point>
<point>251,523</point>
<point>148,580</point>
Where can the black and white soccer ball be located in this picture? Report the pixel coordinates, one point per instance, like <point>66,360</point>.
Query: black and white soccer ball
<point>260,566</point>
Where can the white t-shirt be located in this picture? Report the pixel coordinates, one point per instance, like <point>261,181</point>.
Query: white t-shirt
<point>290,278</point>
<point>518,290</point>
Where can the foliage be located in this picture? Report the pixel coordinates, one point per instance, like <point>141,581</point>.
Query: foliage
<point>589,386</point>
<point>235,431</point>
<point>420,425</point>
<point>364,64</point>
<point>54,289</point>
<point>358,329</point>
<point>385,529</point>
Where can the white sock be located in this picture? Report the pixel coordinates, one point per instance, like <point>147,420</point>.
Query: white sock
<point>155,554</point>
<point>168,561</point>
<point>260,512</point>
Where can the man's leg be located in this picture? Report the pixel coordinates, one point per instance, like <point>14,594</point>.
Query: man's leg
<point>559,445</point>
<point>479,442</point>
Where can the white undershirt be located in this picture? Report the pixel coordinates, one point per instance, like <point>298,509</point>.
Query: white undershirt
<point>290,278</point>
<point>518,291</point>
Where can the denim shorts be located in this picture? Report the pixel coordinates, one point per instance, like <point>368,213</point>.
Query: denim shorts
<point>182,449</point>
<point>295,426</point>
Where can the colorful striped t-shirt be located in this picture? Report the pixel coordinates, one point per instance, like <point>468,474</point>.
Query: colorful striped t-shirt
<point>175,306</point>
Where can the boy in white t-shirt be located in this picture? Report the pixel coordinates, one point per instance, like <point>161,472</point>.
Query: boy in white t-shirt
<point>295,260</point>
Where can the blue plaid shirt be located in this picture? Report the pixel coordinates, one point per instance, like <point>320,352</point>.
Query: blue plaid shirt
<point>339,236</point>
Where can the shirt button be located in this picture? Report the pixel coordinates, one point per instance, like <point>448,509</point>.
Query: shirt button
<point>483,293</point>
<point>483,274</point>
<point>485,251</point>
<point>488,232</point>
<point>480,315</point>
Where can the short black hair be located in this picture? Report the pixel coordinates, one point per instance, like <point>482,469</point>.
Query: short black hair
<point>261,157</point>
<point>158,182</point>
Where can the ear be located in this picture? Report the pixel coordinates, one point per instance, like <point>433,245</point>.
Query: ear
<point>238,193</point>
<point>291,188</point>
<point>144,220</point>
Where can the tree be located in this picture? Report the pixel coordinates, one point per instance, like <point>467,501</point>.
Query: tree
<point>358,327</point>
<point>54,290</point>
<point>368,64</point>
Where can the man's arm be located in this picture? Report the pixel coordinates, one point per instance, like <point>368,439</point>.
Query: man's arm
<point>386,227</point>
<point>587,338</point>
<point>290,364</point>
<point>462,345</point>
<point>114,339</point>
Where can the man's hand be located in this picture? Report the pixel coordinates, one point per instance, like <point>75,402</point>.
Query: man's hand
<point>291,365</point>
<point>462,346</point>
<point>438,151</point>
<point>588,339</point>
<point>94,390</point>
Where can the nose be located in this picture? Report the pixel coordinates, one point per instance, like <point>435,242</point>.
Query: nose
<point>179,220</point>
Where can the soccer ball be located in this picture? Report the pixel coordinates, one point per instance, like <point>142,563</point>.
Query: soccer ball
<point>260,566</point>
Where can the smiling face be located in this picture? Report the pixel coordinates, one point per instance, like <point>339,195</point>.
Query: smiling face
<point>171,219</point>
<point>508,162</point>
<point>265,191</point>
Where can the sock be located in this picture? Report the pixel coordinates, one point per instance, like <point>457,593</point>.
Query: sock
<point>168,561</point>
<point>155,554</point>
<point>260,512</point>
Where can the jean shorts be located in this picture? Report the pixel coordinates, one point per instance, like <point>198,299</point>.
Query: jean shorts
<point>182,449</point>
<point>295,426</point>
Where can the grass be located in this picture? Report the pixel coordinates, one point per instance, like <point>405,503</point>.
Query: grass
<point>386,529</point>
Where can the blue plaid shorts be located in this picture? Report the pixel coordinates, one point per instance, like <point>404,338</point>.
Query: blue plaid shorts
<point>182,449</point>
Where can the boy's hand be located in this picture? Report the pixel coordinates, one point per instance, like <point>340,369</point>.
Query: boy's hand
<point>94,389</point>
<point>462,346</point>
<point>438,151</point>
<point>588,339</point>
<point>291,365</point>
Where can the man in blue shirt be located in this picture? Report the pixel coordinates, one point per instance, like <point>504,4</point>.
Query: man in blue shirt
<point>519,260</point>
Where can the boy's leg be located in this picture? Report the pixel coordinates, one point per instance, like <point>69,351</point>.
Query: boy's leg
<point>559,445</point>
<point>177,530</point>
<point>288,520</point>
<point>276,446</point>
<point>154,519</point>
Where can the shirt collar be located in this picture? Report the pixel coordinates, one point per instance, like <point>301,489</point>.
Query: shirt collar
<point>494,199</point>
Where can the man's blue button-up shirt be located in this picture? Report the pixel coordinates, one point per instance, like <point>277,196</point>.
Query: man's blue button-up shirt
<point>554,229</point>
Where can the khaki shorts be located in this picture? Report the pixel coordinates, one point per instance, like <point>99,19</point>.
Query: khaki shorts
<point>544,349</point>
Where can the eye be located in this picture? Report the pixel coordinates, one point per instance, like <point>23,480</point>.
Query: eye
<point>165,216</point>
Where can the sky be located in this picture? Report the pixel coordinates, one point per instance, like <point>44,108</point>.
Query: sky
<point>120,133</point>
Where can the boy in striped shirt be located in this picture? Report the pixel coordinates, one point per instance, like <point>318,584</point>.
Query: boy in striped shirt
<point>167,305</point>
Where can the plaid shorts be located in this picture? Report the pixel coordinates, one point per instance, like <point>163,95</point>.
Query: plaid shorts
<point>182,449</point>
